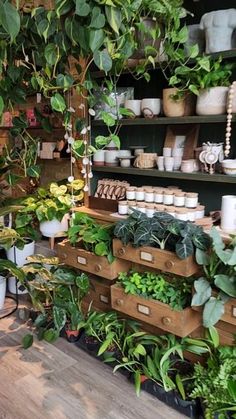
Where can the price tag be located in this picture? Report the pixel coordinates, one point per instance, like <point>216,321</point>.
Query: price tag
<point>148,257</point>
<point>234,312</point>
<point>143,309</point>
<point>81,260</point>
<point>103,299</point>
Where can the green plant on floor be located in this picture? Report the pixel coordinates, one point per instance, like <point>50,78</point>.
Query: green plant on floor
<point>96,238</point>
<point>219,269</point>
<point>177,293</point>
<point>162,231</point>
<point>9,237</point>
<point>215,384</point>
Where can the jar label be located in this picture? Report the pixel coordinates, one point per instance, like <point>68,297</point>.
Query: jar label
<point>103,299</point>
<point>146,256</point>
<point>143,309</point>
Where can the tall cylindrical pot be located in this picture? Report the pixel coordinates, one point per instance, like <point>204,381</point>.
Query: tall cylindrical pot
<point>19,256</point>
<point>228,213</point>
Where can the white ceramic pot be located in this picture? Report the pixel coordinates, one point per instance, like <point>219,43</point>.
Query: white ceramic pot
<point>212,101</point>
<point>2,291</point>
<point>169,163</point>
<point>150,107</point>
<point>54,227</point>
<point>228,213</point>
<point>167,151</point>
<point>19,256</point>
<point>219,26</point>
<point>229,166</point>
<point>99,158</point>
<point>111,158</point>
<point>134,105</point>
<point>160,163</point>
<point>12,284</point>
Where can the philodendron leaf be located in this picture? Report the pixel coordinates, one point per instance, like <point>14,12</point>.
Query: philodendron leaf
<point>27,341</point>
<point>226,284</point>
<point>212,312</point>
<point>97,19</point>
<point>96,38</point>
<point>101,249</point>
<point>202,257</point>
<point>184,248</point>
<point>51,53</point>
<point>82,8</point>
<point>58,103</point>
<point>59,317</point>
<point>203,292</point>
<point>10,19</point>
<point>103,60</point>
<point>114,18</point>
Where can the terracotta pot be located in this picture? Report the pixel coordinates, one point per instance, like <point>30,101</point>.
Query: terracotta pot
<point>175,108</point>
<point>212,101</point>
<point>72,335</point>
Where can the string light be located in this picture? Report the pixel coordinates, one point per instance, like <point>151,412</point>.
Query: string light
<point>229,119</point>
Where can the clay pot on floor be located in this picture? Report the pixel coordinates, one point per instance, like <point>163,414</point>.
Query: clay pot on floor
<point>177,108</point>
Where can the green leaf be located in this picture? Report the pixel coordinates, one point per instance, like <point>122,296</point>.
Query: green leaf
<point>202,257</point>
<point>51,335</point>
<point>232,389</point>
<point>137,382</point>
<point>34,171</point>
<point>82,8</point>
<point>13,269</point>
<point>226,284</point>
<point>203,292</point>
<point>59,317</point>
<point>97,19</point>
<point>58,103</point>
<point>140,350</point>
<point>114,18</point>
<point>10,19</point>
<point>212,312</point>
<point>180,386</point>
<point>27,341</point>
<point>103,60</point>
<point>184,249</point>
<point>101,249</point>
<point>193,51</point>
<point>214,335</point>
<point>106,343</point>
<point>108,119</point>
<point>96,38</point>
<point>115,139</point>
<point>51,54</point>
<point>1,105</point>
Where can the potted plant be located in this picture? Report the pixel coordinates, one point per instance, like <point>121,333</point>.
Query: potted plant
<point>176,242</point>
<point>217,289</point>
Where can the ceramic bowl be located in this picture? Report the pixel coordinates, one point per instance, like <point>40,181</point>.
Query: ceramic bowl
<point>229,167</point>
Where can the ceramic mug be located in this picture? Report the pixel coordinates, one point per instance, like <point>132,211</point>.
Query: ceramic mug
<point>160,163</point>
<point>177,162</point>
<point>133,105</point>
<point>167,151</point>
<point>177,152</point>
<point>169,163</point>
<point>150,107</point>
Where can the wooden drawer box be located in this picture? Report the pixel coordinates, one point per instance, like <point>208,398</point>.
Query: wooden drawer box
<point>230,312</point>
<point>156,258</point>
<point>226,333</point>
<point>99,295</point>
<point>180,323</point>
<point>89,262</point>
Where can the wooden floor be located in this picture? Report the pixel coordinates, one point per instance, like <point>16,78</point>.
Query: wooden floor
<point>61,381</point>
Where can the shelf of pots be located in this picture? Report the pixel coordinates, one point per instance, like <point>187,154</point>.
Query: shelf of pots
<point>89,248</point>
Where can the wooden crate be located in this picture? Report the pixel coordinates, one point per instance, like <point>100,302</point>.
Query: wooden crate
<point>160,315</point>
<point>89,262</point>
<point>156,258</point>
<point>226,333</point>
<point>230,312</point>
<point>99,295</point>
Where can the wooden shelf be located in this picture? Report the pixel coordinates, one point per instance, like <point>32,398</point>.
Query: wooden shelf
<point>101,215</point>
<point>163,120</point>
<point>196,176</point>
<point>226,55</point>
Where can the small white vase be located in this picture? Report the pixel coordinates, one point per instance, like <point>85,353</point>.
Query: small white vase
<point>212,101</point>
<point>54,227</point>
<point>228,213</point>
<point>19,256</point>
<point>2,291</point>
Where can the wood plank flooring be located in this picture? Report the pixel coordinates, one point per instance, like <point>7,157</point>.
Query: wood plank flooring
<point>61,381</point>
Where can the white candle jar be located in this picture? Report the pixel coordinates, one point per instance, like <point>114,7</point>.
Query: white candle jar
<point>182,214</point>
<point>179,199</point>
<point>192,215</point>
<point>199,212</point>
<point>149,195</point>
<point>141,207</point>
<point>123,207</point>
<point>170,210</point>
<point>139,194</point>
<point>150,210</point>
<point>191,200</point>
<point>130,194</point>
<point>168,198</point>
<point>158,196</point>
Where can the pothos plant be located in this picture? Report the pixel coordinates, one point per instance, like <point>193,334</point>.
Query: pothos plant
<point>218,284</point>
<point>162,231</point>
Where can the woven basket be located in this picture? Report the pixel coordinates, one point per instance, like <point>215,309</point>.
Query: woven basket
<point>146,161</point>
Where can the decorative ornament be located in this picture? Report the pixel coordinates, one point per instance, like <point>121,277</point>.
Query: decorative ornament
<point>70,179</point>
<point>85,161</point>
<point>86,188</point>
<point>229,119</point>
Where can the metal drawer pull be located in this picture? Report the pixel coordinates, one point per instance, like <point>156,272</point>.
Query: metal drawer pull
<point>98,268</point>
<point>121,251</point>
<point>169,264</point>
<point>119,302</point>
<point>166,320</point>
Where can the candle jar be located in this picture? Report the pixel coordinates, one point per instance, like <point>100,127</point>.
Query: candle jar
<point>139,194</point>
<point>191,199</point>
<point>181,214</point>
<point>130,193</point>
<point>158,195</point>
<point>131,206</point>
<point>179,199</point>
<point>199,212</point>
<point>123,207</point>
<point>141,207</point>
<point>160,208</point>
<point>168,197</point>
<point>170,210</point>
<point>149,195</point>
<point>191,214</point>
<point>150,210</point>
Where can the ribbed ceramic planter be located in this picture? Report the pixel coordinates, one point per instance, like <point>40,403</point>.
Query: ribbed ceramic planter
<point>212,101</point>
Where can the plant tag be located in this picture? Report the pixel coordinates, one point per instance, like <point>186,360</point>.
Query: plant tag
<point>103,299</point>
<point>146,256</point>
<point>143,309</point>
<point>81,260</point>
<point>234,311</point>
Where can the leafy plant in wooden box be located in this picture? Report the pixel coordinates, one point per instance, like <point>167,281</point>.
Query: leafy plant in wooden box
<point>96,238</point>
<point>219,268</point>
<point>163,231</point>
<point>176,293</point>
